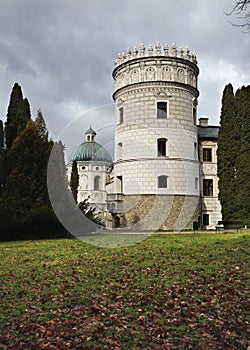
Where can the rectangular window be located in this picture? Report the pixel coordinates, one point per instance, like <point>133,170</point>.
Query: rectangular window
<point>208,187</point>
<point>161,147</point>
<point>205,219</point>
<point>196,183</point>
<point>195,151</point>
<point>120,184</point>
<point>162,181</point>
<point>162,110</point>
<point>194,115</point>
<point>119,150</point>
<point>207,155</point>
<point>121,115</point>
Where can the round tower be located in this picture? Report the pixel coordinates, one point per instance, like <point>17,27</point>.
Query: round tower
<point>156,167</point>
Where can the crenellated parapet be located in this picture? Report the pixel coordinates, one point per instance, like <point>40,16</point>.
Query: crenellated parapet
<point>160,65</point>
<point>158,51</point>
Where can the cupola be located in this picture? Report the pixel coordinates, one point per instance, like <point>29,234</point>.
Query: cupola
<point>90,150</point>
<point>90,135</point>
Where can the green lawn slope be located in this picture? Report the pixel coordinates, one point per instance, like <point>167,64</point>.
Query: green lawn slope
<point>186,291</point>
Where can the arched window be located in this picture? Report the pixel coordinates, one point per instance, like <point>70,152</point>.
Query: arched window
<point>161,147</point>
<point>162,181</point>
<point>96,183</point>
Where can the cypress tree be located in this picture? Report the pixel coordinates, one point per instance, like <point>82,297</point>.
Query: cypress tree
<point>243,154</point>
<point>16,98</point>
<point>1,135</point>
<point>41,126</point>
<point>227,150</point>
<point>2,158</point>
<point>23,115</point>
<point>74,180</point>
<point>61,197</point>
<point>25,210</point>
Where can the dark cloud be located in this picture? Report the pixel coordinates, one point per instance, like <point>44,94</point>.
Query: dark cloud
<point>62,51</point>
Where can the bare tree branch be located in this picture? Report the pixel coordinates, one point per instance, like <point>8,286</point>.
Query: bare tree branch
<point>242,8</point>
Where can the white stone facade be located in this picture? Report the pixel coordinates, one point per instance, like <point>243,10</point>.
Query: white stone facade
<point>93,177</point>
<point>94,165</point>
<point>157,149</point>
<point>165,165</point>
<point>210,204</point>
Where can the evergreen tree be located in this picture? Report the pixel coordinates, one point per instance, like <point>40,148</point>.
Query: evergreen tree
<point>25,209</point>
<point>243,154</point>
<point>234,155</point>
<point>61,197</point>
<point>74,180</point>
<point>89,211</point>
<point>2,158</point>
<point>22,117</point>
<point>1,135</point>
<point>227,149</point>
<point>16,98</point>
<point>41,126</point>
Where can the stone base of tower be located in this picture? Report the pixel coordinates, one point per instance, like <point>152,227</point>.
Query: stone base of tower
<point>160,212</point>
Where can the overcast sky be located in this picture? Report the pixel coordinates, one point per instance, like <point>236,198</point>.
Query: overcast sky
<point>62,52</point>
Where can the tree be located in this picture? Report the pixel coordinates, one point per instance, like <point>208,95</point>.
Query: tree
<point>61,197</point>
<point>25,209</point>
<point>41,126</point>
<point>1,135</point>
<point>242,98</point>
<point>89,211</point>
<point>16,98</point>
<point>227,155</point>
<point>74,180</point>
<point>234,154</point>
<point>2,158</point>
<point>23,116</point>
<point>241,9</point>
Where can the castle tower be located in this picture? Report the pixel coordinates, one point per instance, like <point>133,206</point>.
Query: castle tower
<point>156,167</point>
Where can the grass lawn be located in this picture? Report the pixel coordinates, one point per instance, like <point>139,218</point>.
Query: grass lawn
<point>186,291</point>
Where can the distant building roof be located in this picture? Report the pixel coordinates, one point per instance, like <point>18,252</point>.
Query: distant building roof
<point>90,131</point>
<point>208,132</point>
<point>91,151</point>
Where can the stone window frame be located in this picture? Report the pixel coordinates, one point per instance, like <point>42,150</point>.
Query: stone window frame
<point>208,187</point>
<point>207,155</point>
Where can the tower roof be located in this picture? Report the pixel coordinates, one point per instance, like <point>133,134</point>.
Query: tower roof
<point>91,151</point>
<point>90,131</point>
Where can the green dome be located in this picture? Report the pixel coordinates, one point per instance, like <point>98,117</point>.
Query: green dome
<point>91,151</point>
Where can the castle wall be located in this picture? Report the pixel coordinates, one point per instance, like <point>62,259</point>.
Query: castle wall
<point>156,98</point>
<point>154,212</point>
